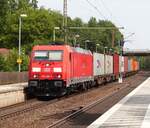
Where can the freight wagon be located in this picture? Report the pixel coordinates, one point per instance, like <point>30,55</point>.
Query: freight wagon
<point>116,65</point>
<point>98,68</point>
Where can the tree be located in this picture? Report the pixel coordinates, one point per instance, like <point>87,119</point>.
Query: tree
<point>3,15</point>
<point>145,63</point>
<point>2,63</point>
<point>11,61</point>
<point>13,5</point>
<point>34,4</point>
<point>92,22</point>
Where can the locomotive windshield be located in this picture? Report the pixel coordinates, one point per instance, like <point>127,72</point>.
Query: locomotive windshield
<point>48,55</point>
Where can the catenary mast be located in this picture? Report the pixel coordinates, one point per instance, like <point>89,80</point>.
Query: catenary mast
<point>65,21</point>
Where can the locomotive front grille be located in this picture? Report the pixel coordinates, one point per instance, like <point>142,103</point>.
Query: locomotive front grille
<point>46,84</point>
<point>33,83</point>
<point>47,87</point>
<point>58,83</point>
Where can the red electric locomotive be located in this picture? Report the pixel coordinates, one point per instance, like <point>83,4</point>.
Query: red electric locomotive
<point>56,69</point>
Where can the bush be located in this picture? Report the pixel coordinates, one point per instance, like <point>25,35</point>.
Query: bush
<point>9,63</point>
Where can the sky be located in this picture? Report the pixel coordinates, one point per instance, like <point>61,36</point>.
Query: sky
<point>133,15</point>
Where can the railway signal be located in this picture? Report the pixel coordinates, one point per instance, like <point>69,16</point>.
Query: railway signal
<point>19,60</point>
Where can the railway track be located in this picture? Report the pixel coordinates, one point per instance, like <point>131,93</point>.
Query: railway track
<point>81,110</point>
<point>17,111</point>
<point>21,108</point>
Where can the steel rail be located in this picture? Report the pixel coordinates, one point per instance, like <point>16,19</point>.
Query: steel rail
<point>26,109</point>
<point>36,106</point>
<point>84,109</point>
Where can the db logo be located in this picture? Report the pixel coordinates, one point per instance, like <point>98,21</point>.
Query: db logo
<point>98,64</point>
<point>108,64</point>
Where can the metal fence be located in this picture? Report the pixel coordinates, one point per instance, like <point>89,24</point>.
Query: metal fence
<point>13,77</point>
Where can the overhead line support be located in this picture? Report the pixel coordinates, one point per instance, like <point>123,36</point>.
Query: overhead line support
<point>65,21</point>
<point>96,28</point>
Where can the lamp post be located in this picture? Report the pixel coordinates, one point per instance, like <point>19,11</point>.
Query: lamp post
<point>87,41</point>
<point>75,39</point>
<point>19,60</point>
<point>105,60</point>
<point>97,46</point>
<point>122,42</point>
<point>129,35</point>
<point>54,33</point>
<point>110,51</point>
<point>120,80</point>
<point>105,50</point>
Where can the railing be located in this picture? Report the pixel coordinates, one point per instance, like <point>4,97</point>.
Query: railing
<point>13,77</point>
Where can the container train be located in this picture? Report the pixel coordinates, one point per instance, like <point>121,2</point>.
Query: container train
<point>56,70</point>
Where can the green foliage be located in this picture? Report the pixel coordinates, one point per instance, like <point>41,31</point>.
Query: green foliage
<point>102,37</point>
<point>37,28</point>
<point>145,63</point>
<point>2,63</point>
<point>3,15</point>
<point>25,60</point>
<point>9,63</point>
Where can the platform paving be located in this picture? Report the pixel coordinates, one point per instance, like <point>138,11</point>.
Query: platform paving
<point>12,87</point>
<point>133,111</point>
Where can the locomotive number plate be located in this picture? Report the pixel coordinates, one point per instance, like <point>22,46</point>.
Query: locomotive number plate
<point>46,70</point>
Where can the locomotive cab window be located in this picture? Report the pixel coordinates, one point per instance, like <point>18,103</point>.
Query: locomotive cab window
<point>49,55</point>
<point>41,55</point>
<point>55,55</point>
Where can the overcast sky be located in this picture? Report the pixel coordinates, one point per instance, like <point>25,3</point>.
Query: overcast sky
<point>133,15</point>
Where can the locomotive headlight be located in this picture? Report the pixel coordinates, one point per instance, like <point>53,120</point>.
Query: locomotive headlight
<point>59,76</point>
<point>57,69</point>
<point>47,65</point>
<point>36,69</point>
<point>35,76</point>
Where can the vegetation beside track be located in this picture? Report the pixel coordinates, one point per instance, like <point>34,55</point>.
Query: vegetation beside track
<point>37,28</point>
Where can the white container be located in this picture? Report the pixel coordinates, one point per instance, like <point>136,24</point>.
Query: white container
<point>98,64</point>
<point>108,64</point>
<point>121,64</point>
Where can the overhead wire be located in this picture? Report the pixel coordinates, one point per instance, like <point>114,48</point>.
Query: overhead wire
<point>112,17</point>
<point>109,11</point>
<point>101,6</point>
<point>106,8</point>
<point>100,13</point>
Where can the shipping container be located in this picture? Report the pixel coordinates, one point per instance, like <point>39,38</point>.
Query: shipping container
<point>132,64</point>
<point>108,64</point>
<point>116,64</point>
<point>98,64</point>
<point>136,65</point>
<point>121,64</point>
<point>125,64</point>
<point>129,65</point>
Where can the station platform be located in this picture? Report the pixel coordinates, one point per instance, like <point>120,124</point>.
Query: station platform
<point>133,111</point>
<point>12,94</point>
<point>12,87</point>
